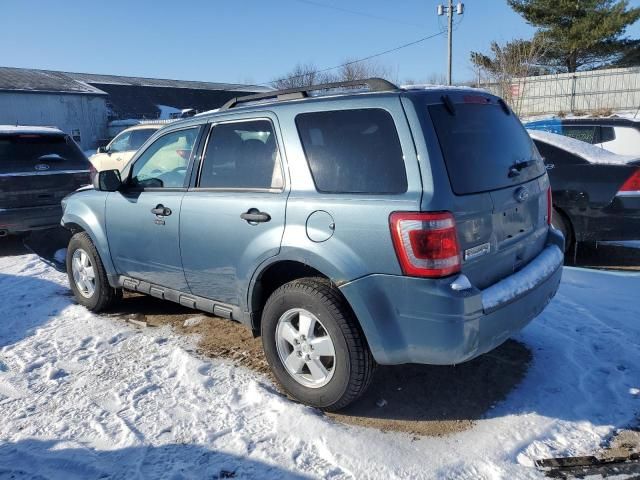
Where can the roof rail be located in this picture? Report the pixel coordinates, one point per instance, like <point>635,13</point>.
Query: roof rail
<point>374,84</point>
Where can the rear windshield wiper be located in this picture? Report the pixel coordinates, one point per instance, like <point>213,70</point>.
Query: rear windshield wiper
<point>514,170</point>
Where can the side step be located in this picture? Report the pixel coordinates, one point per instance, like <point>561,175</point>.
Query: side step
<point>188,300</point>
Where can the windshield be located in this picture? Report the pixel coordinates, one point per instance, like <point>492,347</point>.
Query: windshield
<point>484,147</point>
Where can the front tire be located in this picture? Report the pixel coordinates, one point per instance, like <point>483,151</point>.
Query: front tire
<point>314,346</point>
<point>87,276</point>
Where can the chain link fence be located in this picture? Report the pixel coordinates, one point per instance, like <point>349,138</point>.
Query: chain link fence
<point>592,91</point>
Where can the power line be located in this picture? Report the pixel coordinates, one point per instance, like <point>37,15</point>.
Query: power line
<point>364,59</point>
<point>357,12</point>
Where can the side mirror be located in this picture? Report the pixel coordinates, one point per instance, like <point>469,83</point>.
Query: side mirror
<point>102,150</point>
<point>107,181</point>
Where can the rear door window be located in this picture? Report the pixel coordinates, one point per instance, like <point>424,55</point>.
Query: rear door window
<point>484,147</point>
<point>353,151</point>
<point>584,133</point>
<point>242,155</point>
<point>40,152</point>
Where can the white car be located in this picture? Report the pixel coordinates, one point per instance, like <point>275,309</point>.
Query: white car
<point>615,134</point>
<point>119,151</point>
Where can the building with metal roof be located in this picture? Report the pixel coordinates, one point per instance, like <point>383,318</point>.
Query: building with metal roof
<point>83,104</point>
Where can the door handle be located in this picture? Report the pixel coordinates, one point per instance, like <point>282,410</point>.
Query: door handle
<point>161,210</point>
<point>253,215</point>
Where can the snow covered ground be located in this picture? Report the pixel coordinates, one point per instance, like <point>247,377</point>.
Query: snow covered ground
<point>83,396</point>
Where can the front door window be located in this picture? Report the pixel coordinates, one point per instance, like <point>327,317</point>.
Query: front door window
<point>164,163</point>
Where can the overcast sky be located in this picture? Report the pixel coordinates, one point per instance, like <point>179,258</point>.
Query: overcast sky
<point>251,41</point>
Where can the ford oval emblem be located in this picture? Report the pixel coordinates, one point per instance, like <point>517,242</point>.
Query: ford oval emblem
<point>522,194</point>
<point>41,167</point>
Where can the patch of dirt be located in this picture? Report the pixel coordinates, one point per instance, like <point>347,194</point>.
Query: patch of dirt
<point>218,337</point>
<point>415,399</point>
<point>438,400</point>
<point>624,443</point>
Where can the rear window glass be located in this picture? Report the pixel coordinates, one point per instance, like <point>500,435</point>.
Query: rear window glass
<point>484,148</point>
<point>29,152</point>
<point>353,151</point>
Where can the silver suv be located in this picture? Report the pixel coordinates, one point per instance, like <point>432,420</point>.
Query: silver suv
<point>388,226</point>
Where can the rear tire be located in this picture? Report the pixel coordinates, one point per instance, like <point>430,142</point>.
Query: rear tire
<point>560,222</point>
<point>314,346</point>
<point>87,276</point>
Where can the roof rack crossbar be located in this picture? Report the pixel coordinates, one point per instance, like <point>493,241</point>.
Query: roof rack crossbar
<point>374,84</point>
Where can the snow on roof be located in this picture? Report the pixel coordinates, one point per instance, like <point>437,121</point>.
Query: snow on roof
<point>28,129</point>
<point>631,115</point>
<point>590,153</point>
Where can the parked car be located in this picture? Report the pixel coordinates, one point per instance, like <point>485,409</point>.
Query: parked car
<point>391,226</point>
<point>119,151</point>
<point>617,135</point>
<point>596,193</point>
<point>38,167</point>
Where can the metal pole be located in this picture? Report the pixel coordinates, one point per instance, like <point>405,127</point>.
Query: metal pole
<point>450,39</point>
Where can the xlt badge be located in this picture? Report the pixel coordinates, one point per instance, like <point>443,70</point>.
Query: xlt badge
<point>477,251</point>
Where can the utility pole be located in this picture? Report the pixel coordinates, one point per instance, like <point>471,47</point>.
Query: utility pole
<point>449,10</point>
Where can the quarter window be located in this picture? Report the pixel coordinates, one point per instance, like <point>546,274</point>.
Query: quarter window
<point>164,164</point>
<point>242,155</point>
<point>607,134</point>
<point>353,151</point>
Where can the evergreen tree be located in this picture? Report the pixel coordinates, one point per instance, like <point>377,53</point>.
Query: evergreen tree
<point>580,34</point>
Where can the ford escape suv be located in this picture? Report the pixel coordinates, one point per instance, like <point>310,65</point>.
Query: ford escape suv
<point>38,167</point>
<point>351,229</point>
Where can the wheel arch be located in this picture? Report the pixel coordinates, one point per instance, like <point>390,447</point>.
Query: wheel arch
<point>566,219</point>
<point>92,227</point>
<point>280,270</point>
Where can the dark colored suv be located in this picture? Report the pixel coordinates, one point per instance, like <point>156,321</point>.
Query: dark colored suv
<point>38,167</point>
<point>390,226</point>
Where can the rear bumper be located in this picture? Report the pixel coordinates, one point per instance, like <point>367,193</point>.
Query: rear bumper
<point>18,220</point>
<point>415,320</point>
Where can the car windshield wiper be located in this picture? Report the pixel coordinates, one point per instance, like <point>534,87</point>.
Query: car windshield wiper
<point>514,170</point>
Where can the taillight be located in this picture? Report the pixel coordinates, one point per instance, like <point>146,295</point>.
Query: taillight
<point>549,205</point>
<point>632,185</point>
<point>426,243</point>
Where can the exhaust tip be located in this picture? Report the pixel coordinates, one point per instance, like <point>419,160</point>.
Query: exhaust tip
<point>3,233</point>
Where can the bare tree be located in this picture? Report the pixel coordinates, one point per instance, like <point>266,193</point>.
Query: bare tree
<point>305,75</point>
<point>355,70</point>
<point>432,79</point>
<point>302,75</point>
<point>508,65</point>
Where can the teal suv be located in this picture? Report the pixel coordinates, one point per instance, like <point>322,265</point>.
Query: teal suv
<point>348,227</point>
